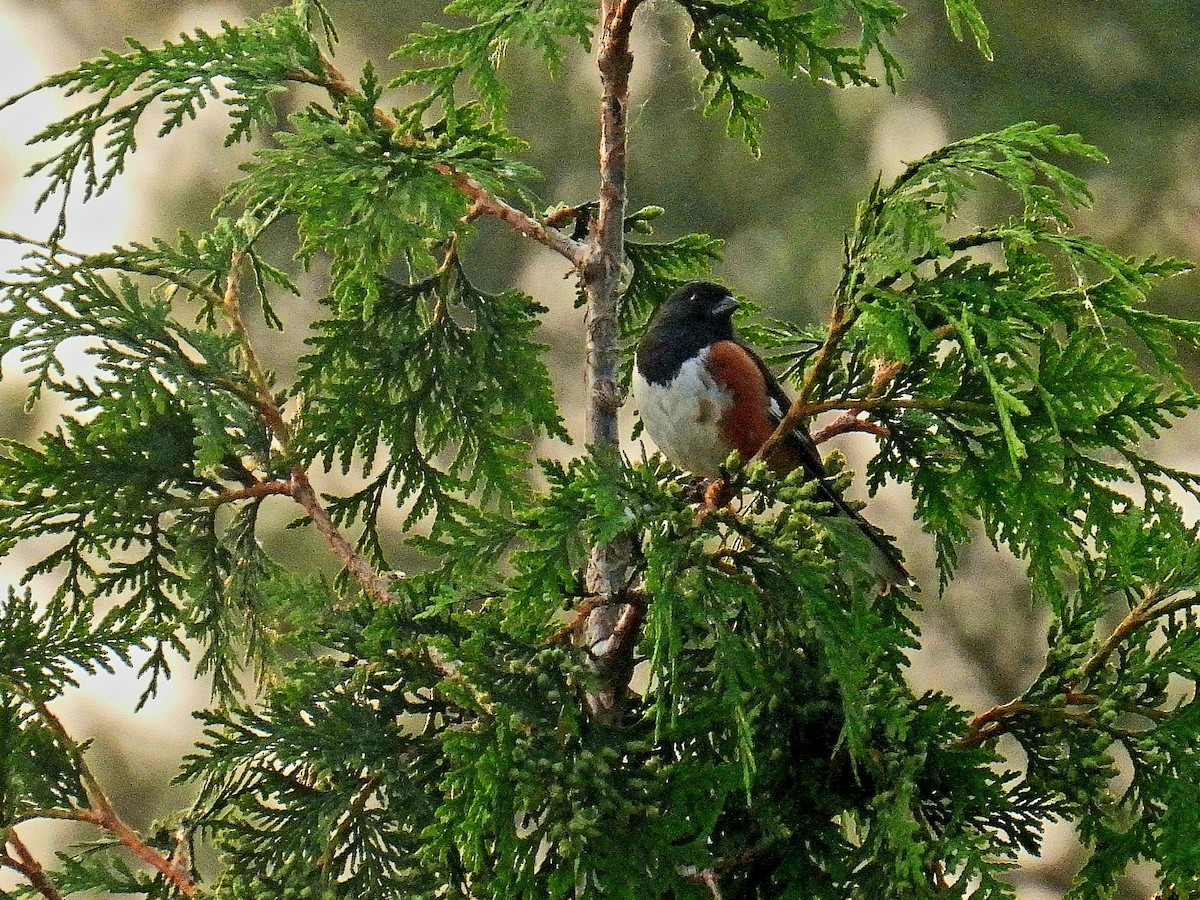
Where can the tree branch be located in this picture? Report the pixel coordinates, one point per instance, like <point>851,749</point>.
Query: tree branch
<point>255,491</point>
<point>28,866</point>
<point>482,202</point>
<point>102,813</point>
<point>300,488</point>
<point>610,633</point>
<point>711,875</point>
<point>995,721</point>
<point>847,422</point>
<point>801,410</point>
<point>841,319</point>
<point>633,598</point>
<point>376,586</point>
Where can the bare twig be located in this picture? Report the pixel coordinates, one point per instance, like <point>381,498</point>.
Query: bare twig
<point>25,863</point>
<point>994,722</point>
<point>231,306</point>
<point>254,491</point>
<point>631,598</point>
<point>711,875</point>
<point>376,585</point>
<point>709,878</point>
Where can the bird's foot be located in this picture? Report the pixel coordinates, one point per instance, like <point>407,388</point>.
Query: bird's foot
<point>718,493</point>
<point>717,496</point>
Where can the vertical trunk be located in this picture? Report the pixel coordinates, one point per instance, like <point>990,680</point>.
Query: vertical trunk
<point>611,629</point>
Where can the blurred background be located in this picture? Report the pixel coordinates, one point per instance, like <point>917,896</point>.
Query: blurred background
<point>1125,75</point>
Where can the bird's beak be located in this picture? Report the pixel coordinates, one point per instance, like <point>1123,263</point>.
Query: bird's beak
<point>728,304</point>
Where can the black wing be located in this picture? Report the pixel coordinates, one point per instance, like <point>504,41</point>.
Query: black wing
<point>891,566</point>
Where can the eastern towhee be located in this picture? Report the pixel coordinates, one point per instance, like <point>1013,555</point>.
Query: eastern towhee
<point>702,394</point>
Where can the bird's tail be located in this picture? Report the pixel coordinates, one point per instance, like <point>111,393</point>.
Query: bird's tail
<point>864,543</point>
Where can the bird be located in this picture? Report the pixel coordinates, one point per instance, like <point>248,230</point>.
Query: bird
<point>702,393</point>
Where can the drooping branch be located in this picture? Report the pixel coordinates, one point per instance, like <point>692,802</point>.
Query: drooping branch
<point>300,488</point>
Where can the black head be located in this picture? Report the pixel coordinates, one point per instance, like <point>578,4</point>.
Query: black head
<point>699,305</point>
<point>698,314</point>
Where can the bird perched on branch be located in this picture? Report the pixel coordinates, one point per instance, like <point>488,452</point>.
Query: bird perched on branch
<point>703,393</point>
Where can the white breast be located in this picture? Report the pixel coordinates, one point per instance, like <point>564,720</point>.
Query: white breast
<point>683,417</point>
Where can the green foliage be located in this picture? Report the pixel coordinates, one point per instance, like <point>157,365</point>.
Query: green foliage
<point>799,42</point>
<point>44,650</point>
<point>241,66</point>
<point>1082,714</point>
<point>802,38</point>
<point>426,736</point>
<point>101,866</point>
<point>1008,376</point>
<point>961,12</point>
<point>524,799</point>
<point>657,270</point>
<point>476,51</point>
<point>416,382</point>
<point>39,770</point>
<point>393,202</point>
<point>162,428</point>
<point>280,795</point>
